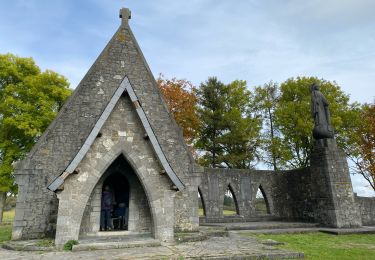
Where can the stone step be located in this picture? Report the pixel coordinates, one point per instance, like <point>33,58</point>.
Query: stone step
<point>117,233</point>
<point>263,225</point>
<point>103,244</point>
<point>203,234</point>
<point>347,231</point>
<point>236,219</point>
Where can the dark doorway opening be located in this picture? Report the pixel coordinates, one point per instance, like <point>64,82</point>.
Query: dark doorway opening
<point>115,203</point>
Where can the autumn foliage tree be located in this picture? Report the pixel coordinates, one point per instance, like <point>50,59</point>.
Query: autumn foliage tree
<point>180,96</point>
<point>365,163</point>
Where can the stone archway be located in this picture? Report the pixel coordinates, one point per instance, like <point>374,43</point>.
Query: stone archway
<point>131,209</point>
<point>79,188</point>
<point>233,198</point>
<point>202,203</point>
<point>115,198</point>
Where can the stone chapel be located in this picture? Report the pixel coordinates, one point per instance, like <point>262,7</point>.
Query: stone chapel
<point>116,131</point>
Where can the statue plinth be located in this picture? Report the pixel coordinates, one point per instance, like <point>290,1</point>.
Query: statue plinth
<point>332,187</point>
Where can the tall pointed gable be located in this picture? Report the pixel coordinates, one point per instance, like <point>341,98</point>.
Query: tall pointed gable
<point>120,65</point>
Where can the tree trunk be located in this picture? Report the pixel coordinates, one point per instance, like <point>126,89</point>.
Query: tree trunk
<point>272,141</point>
<point>2,205</point>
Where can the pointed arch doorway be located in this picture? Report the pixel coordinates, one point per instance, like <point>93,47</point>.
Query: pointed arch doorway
<point>114,213</point>
<point>128,207</point>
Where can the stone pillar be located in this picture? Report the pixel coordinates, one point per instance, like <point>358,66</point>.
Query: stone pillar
<point>332,187</point>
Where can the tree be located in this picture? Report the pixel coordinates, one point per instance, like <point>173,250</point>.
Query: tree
<point>180,96</point>
<point>364,160</point>
<point>266,100</point>
<point>229,133</point>
<point>211,114</point>
<point>294,120</point>
<point>29,101</point>
<point>241,138</point>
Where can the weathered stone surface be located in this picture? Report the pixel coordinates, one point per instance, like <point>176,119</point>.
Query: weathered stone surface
<point>367,210</point>
<point>321,193</point>
<point>233,247</point>
<point>332,187</point>
<point>141,160</point>
<point>36,213</point>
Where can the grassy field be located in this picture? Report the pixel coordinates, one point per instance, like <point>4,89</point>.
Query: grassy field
<point>326,246</point>
<point>6,227</point>
<point>225,212</point>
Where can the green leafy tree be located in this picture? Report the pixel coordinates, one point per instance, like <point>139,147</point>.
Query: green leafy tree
<point>266,100</point>
<point>293,119</point>
<point>241,140</point>
<point>29,101</point>
<point>229,133</point>
<point>211,114</point>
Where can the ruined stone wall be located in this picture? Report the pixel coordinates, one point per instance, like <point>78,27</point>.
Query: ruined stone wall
<point>286,192</point>
<point>367,208</point>
<point>292,195</point>
<point>320,193</point>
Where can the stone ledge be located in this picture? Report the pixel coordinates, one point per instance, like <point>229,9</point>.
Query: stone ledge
<point>115,245</point>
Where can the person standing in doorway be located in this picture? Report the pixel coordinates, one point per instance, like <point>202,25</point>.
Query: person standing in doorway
<point>106,209</point>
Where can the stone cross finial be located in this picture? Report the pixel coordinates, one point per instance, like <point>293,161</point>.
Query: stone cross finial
<point>125,15</point>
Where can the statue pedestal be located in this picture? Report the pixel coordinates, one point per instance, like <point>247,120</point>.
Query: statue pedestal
<point>332,187</point>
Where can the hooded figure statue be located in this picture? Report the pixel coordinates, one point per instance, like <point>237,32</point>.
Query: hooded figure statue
<point>320,114</point>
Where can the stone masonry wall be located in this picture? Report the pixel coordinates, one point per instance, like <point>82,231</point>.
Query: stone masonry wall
<point>36,208</point>
<point>321,193</point>
<point>287,192</point>
<point>122,135</point>
<point>292,195</point>
<point>367,208</point>
<point>332,187</point>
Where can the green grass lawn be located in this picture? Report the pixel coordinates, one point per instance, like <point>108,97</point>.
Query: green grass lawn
<point>326,246</point>
<point>6,226</point>
<point>225,212</point>
<point>8,216</point>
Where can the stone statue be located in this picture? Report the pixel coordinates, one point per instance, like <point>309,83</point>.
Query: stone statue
<point>320,113</point>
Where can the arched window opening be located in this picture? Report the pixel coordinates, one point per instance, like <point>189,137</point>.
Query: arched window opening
<point>261,202</point>
<point>230,207</point>
<point>202,206</point>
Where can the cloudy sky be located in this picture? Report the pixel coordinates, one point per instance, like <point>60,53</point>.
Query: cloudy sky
<point>257,41</point>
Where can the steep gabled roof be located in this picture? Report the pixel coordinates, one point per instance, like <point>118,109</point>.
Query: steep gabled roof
<point>67,137</point>
<point>125,86</point>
